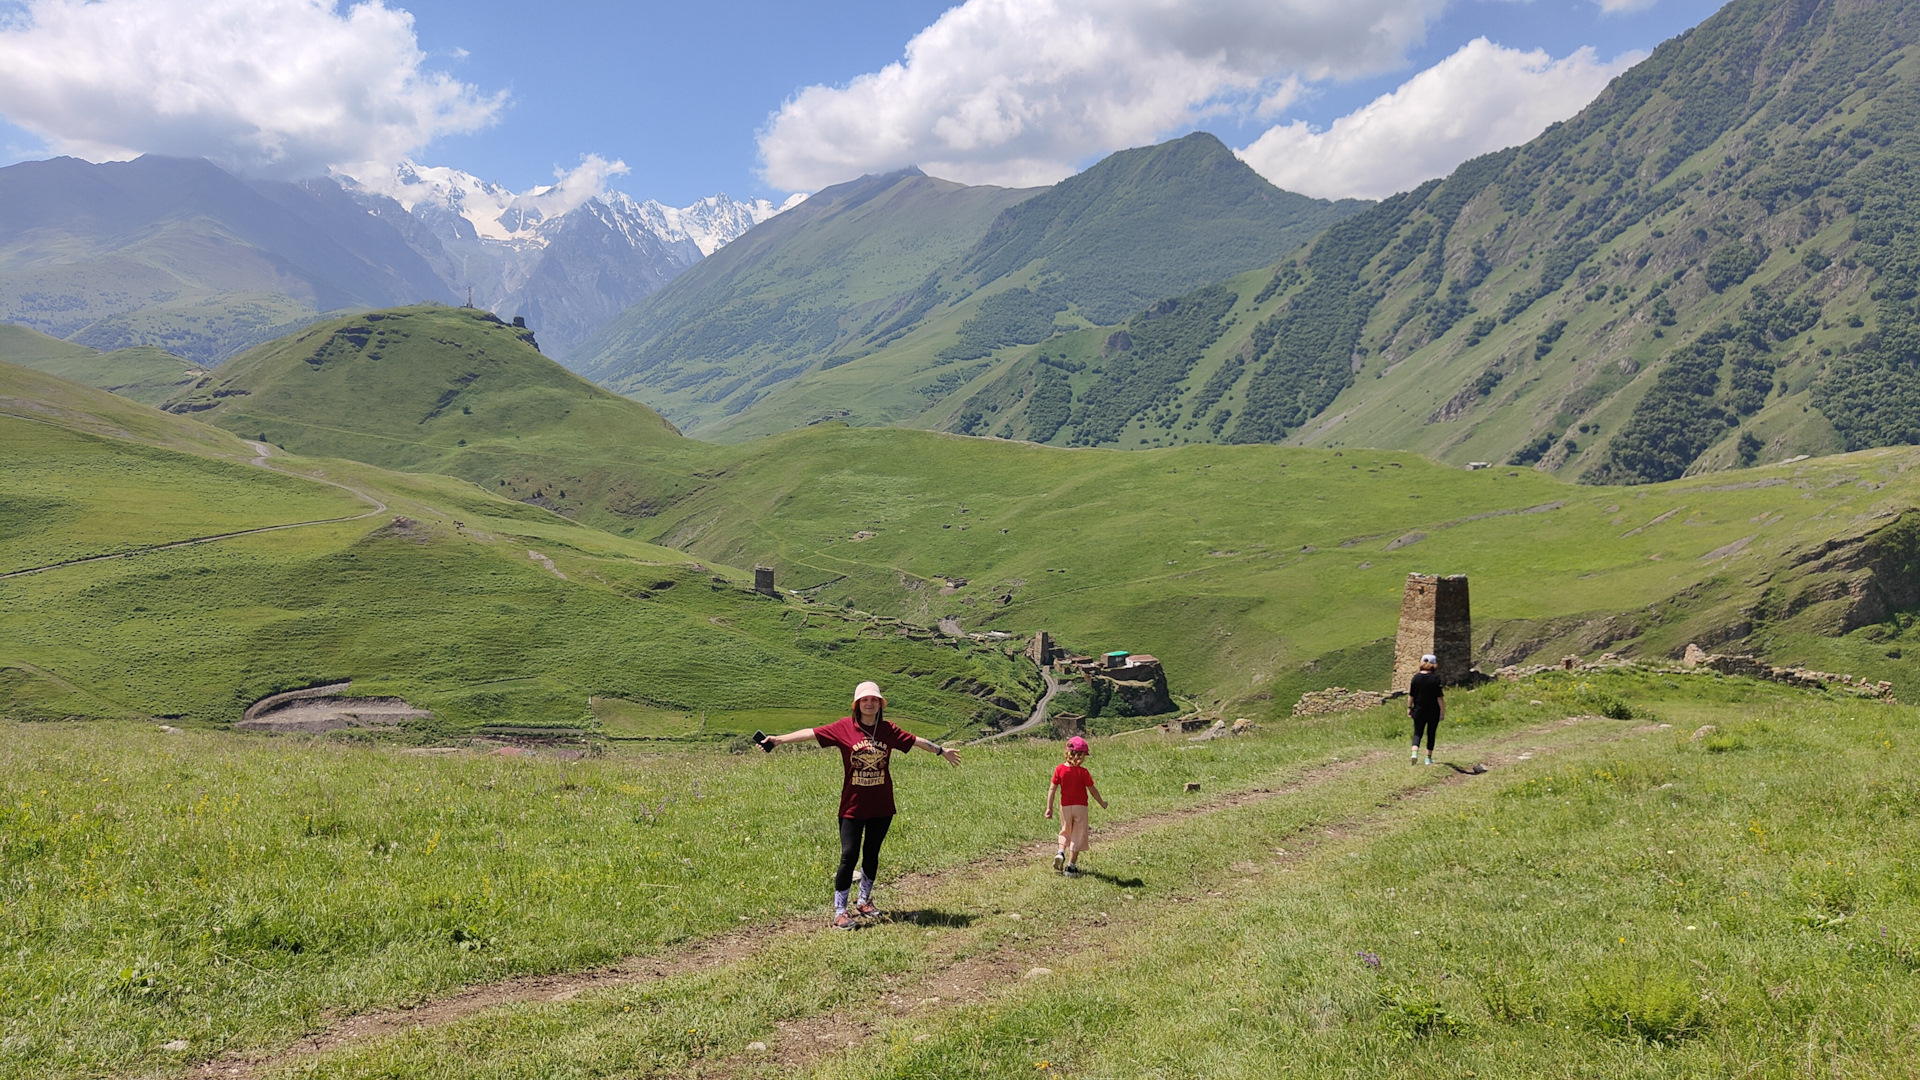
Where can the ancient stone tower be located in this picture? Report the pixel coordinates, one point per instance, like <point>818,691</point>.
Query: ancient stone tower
<point>763,581</point>
<point>1434,618</point>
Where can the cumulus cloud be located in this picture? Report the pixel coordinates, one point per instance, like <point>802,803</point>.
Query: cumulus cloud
<point>1482,98</point>
<point>1020,91</point>
<point>1616,7</point>
<point>281,86</point>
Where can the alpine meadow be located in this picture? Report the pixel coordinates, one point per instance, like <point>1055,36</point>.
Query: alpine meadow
<point>426,604</point>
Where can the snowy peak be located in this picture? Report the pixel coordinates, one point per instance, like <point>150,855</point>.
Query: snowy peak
<point>712,222</point>
<point>444,198</point>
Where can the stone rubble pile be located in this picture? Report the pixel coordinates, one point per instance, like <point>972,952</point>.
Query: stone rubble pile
<point>1336,699</point>
<point>1698,661</point>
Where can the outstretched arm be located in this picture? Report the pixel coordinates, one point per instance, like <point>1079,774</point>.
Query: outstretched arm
<point>768,742</point>
<point>949,753</point>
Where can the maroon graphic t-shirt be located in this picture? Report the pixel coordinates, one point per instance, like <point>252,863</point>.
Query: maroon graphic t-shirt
<point>867,791</point>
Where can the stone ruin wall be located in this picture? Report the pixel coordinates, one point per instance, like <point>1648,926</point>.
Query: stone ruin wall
<point>1435,617</point>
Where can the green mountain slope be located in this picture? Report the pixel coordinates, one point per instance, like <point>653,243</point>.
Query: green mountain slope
<point>1705,268</point>
<point>143,373</point>
<point>488,612</point>
<point>452,391</point>
<point>765,307</point>
<point>1138,225</point>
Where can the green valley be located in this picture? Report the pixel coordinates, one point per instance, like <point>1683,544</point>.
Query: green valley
<point>1255,572</point>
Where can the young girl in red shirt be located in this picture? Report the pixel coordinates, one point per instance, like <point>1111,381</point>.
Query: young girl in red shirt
<point>1072,783</point>
<point>866,741</point>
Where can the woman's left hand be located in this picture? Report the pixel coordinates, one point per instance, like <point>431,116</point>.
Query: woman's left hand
<point>952,755</point>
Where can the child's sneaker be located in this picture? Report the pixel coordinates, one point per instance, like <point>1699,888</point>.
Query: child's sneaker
<point>1059,860</point>
<point>843,921</point>
<point>1072,870</point>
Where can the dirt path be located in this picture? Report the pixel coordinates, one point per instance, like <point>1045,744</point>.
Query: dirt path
<point>1039,711</point>
<point>949,982</point>
<point>261,461</point>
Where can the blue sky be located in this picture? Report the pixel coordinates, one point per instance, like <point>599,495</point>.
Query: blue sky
<point>687,95</point>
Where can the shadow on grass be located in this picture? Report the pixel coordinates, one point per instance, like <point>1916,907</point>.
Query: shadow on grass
<point>1117,882</point>
<point>1470,770</point>
<point>932,917</point>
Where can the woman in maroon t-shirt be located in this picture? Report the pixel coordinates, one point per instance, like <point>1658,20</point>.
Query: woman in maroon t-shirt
<point>866,741</point>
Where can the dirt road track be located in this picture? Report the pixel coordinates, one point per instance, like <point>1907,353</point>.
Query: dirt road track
<point>957,981</point>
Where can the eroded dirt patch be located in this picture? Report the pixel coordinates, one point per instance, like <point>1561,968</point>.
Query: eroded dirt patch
<point>322,708</point>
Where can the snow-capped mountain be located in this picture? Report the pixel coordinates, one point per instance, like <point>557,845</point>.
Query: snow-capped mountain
<point>568,255</point>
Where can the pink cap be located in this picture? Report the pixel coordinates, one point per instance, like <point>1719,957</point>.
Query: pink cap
<point>1076,745</point>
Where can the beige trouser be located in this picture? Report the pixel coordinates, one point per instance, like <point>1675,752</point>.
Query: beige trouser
<point>1073,829</point>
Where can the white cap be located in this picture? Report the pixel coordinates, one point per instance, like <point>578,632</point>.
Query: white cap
<point>867,690</point>
<point>1429,659</point>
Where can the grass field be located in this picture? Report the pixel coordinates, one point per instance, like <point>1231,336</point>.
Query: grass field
<point>1613,899</point>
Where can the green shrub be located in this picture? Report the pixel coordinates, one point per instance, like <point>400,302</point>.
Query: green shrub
<point>1642,1003</point>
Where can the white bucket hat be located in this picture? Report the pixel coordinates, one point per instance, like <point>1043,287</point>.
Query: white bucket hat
<point>867,690</point>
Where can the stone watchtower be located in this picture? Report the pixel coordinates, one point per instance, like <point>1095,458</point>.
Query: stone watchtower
<point>763,581</point>
<point>1434,618</point>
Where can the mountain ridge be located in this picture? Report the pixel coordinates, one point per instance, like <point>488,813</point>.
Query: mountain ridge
<point>1134,226</point>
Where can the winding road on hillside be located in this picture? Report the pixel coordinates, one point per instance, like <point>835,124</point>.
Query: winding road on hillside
<point>967,968</point>
<point>264,452</point>
<point>1039,711</point>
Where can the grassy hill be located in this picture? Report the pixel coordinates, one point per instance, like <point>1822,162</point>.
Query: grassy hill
<point>1700,271</point>
<point>453,391</point>
<point>419,586</point>
<point>144,373</point>
<point>730,363</point>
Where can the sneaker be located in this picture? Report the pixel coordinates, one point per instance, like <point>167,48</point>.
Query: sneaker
<point>1072,870</point>
<point>843,921</point>
<point>1059,860</point>
<point>1413,758</point>
<point>1429,761</point>
<point>866,910</point>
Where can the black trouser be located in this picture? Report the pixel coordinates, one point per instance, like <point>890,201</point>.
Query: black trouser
<point>1430,724</point>
<point>860,837</point>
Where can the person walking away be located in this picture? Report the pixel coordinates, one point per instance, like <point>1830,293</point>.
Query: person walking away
<point>1427,705</point>
<point>866,740</point>
<point>1072,783</point>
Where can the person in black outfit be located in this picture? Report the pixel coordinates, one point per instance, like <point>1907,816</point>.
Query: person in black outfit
<point>1427,705</point>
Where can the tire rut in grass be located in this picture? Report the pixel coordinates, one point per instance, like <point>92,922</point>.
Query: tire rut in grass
<point>959,975</point>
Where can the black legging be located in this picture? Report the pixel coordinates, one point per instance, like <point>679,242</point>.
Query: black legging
<point>860,837</point>
<point>1429,724</point>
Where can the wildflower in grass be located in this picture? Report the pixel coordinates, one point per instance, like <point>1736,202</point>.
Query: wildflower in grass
<point>1370,959</point>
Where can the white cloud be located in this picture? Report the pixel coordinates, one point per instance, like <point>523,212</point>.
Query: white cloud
<point>1617,7</point>
<point>284,86</point>
<point>1021,91</point>
<point>1482,98</point>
